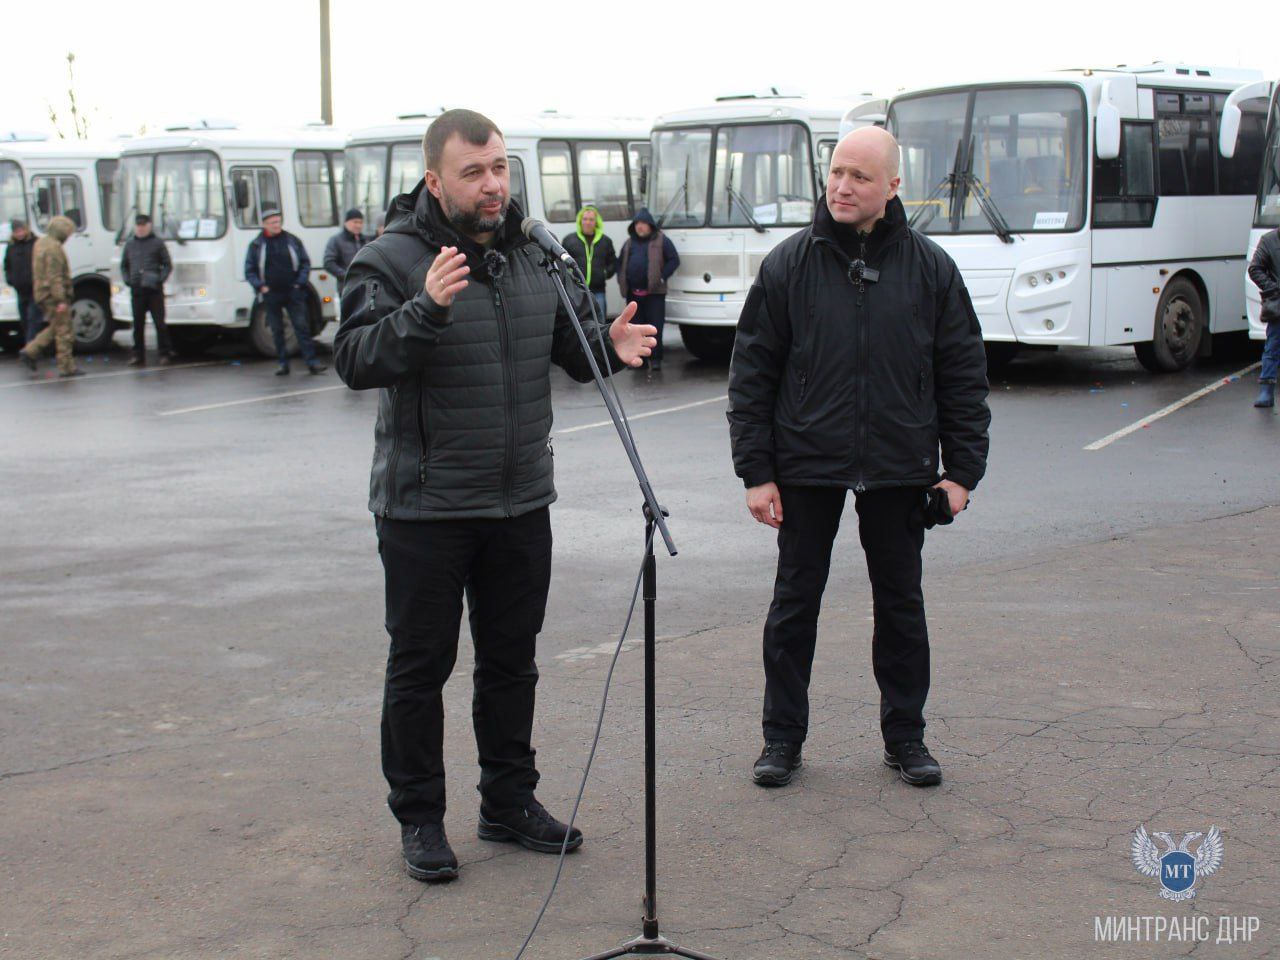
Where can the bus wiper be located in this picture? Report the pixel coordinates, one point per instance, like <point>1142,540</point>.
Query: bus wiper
<point>682,190</point>
<point>124,223</point>
<point>946,186</point>
<point>987,204</point>
<point>732,193</point>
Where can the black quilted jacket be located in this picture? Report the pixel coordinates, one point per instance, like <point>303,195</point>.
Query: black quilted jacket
<point>465,416</point>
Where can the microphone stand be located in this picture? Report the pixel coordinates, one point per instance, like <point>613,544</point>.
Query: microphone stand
<point>650,942</point>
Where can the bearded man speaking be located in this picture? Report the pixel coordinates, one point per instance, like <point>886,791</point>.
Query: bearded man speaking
<point>451,313</point>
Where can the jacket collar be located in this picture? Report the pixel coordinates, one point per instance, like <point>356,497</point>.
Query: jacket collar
<point>891,228</point>
<point>419,212</point>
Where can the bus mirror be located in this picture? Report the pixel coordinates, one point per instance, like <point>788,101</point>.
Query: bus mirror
<point>1107,134</point>
<point>1229,130</point>
<point>242,194</point>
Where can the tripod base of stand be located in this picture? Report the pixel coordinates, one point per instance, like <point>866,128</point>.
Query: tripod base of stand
<point>649,947</point>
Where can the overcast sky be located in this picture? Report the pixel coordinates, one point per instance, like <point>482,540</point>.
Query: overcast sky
<point>257,61</point>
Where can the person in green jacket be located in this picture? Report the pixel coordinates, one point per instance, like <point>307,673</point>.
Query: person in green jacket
<point>592,248</point>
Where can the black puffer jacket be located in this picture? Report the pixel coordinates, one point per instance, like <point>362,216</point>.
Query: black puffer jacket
<point>17,264</point>
<point>465,415</point>
<point>145,263</point>
<point>841,382</point>
<point>1264,271</point>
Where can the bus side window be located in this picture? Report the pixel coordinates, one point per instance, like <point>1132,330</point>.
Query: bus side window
<point>555,165</point>
<point>1124,190</point>
<point>518,192</point>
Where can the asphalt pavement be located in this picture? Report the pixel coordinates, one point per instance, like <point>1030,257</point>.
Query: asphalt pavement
<point>191,657</point>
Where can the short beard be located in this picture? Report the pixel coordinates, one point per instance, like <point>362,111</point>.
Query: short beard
<point>470,223</point>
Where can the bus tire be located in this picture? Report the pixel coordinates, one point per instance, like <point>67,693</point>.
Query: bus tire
<point>260,338</point>
<point>1179,326</point>
<point>712,344</point>
<point>91,323</point>
<point>1000,354</point>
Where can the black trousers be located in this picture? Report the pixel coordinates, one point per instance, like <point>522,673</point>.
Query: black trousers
<point>504,567</point>
<point>891,528</point>
<point>152,300</point>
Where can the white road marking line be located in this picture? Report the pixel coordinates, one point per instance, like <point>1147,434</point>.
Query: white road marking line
<point>1172,408</point>
<point>642,416</point>
<point>237,403</point>
<point>116,373</point>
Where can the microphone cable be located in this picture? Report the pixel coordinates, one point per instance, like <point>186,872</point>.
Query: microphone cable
<point>591,755</point>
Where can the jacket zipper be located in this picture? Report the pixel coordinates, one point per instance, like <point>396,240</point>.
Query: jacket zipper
<point>804,382</point>
<point>864,336</point>
<point>394,457</point>
<point>422,431</point>
<point>509,396</point>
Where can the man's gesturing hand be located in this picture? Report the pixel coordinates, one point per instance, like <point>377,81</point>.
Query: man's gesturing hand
<point>765,504</point>
<point>447,276</point>
<point>632,342</point>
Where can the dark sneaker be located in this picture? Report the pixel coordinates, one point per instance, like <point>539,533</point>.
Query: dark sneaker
<point>777,761</point>
<point>282,370</point>
<point>1266,395</point>
<point>655,364</point>
<point>914,763</point>
<point>530,826</point>
<point>427,854</point>
<point>316,368</point>
<point>72,373</point>
<point>137,361</point>
<point>28,360</point>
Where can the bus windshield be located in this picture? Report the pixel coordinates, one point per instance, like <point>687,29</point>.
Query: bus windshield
<point>13,201</point>
<point>1268,209</point>
<point>760,174</point>
<point>678,176</point>
<point>181,192</point>
<point>366,179</point>
<point>1018,151</point>
<point>763,175</point>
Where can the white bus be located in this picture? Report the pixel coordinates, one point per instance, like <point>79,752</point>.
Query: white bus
<point>730,182</point>
<point>558,163</point>
<point>205,186</point>
<point>1086,207</point>
<point>1251,123</point>
<point>41,179</point>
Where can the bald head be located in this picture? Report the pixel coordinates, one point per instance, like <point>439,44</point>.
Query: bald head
<point>863,177</point>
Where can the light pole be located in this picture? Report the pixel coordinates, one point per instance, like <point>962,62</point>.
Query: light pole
<point>326,75</point>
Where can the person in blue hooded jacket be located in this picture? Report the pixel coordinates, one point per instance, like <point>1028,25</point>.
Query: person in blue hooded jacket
<point>647,260</point>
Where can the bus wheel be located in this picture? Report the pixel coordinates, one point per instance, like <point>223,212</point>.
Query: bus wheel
<point>712,344</point>
<point>1179,325</point>
<point>260,334</point>
<point>192,341</point>
<point>1000,354</point>
<point>91,322</point>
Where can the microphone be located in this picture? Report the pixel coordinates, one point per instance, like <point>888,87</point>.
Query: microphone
<point>537,231</point>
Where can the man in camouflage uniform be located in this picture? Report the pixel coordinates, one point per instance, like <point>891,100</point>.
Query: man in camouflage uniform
<point>51,275</point>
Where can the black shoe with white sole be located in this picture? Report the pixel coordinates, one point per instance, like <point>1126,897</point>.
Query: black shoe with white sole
<point>914,763</point>
<point>530,826</point>
<point>777,762</point>
<point>427,854</point>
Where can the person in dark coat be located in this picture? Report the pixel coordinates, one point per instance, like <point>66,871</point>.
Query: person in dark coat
<point>452,316</point>
<point>145,265</point>
<point>344,245</point>
<point>858,355</point>
<point>17,273</point>
<point>591,247</point>
<point>276,265</point>
<point>647,261</point>
<point>1264,271</point>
